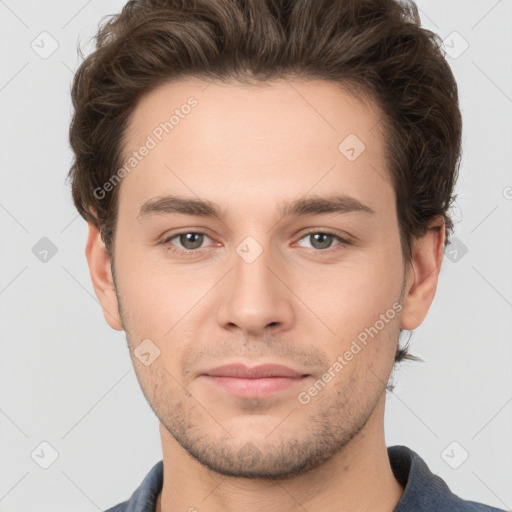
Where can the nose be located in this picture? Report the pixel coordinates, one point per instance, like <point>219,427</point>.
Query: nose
<point>255,298</point>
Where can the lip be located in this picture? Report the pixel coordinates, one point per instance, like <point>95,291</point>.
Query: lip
<point>256,372</point>
<point>256,382</point>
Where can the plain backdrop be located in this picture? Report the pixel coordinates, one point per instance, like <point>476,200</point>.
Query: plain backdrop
<point>66,378</point>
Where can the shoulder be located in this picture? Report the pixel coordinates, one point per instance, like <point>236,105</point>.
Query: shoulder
<point>121,507</point>
<point>459,505</point>
<point>424,491</point>
<point>145,496</point>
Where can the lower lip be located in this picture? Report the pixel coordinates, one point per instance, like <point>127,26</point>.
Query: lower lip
<point>254,388</point>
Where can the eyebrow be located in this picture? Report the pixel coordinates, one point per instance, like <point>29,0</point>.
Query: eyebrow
<point>312,205</point>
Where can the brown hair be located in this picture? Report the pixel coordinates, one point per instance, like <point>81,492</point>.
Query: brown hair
<point>374,48</point>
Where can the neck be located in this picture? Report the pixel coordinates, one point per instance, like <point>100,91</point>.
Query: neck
<point>358,477</point>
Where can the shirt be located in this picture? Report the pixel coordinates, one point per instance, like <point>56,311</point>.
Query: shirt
<point>423,491</point>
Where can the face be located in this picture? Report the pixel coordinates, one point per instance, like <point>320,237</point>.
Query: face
<point>285,251</point>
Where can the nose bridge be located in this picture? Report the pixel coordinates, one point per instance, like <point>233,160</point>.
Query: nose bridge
<point>251,268</point>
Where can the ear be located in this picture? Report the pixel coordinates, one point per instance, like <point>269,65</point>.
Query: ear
<point>422,274</point>
<point>101,276</point>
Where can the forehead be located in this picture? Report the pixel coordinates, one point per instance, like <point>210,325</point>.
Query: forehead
<point>312,109</point>
<point>210,139</point>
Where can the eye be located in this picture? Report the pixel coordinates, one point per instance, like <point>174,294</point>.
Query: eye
<point>192,241</point>
<point>189,240</point>
<point>322,240</point>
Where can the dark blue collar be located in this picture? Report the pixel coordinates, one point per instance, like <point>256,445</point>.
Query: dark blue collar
<point>423,491</point>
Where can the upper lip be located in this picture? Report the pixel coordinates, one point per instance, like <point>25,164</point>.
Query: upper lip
<point>256,372</point>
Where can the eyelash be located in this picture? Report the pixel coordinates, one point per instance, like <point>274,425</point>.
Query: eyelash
<point>190,252</point>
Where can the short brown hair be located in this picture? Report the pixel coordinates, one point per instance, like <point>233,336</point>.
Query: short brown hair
<point>375,48</point>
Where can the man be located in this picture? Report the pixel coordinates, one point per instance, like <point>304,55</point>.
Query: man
<point>267,186</point>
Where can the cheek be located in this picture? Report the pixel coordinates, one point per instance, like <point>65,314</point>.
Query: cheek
<point>153,298</point>
<point>358,309</point>
<point>353,296</point>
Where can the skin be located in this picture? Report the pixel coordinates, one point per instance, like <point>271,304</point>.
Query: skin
<point>248,149</point>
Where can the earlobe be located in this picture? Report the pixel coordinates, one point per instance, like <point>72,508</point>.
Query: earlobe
<point>423,274</point>
<point>101,276</point>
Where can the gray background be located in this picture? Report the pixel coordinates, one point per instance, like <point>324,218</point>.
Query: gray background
<point>66,378</point>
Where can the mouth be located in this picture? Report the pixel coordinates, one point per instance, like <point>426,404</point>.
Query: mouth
<point>256,382</point>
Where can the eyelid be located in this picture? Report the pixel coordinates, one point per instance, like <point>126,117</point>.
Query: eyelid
<point>327,231</point>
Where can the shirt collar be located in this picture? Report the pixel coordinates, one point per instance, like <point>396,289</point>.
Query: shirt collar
<point>423,491</point>
<point>144,498</point>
